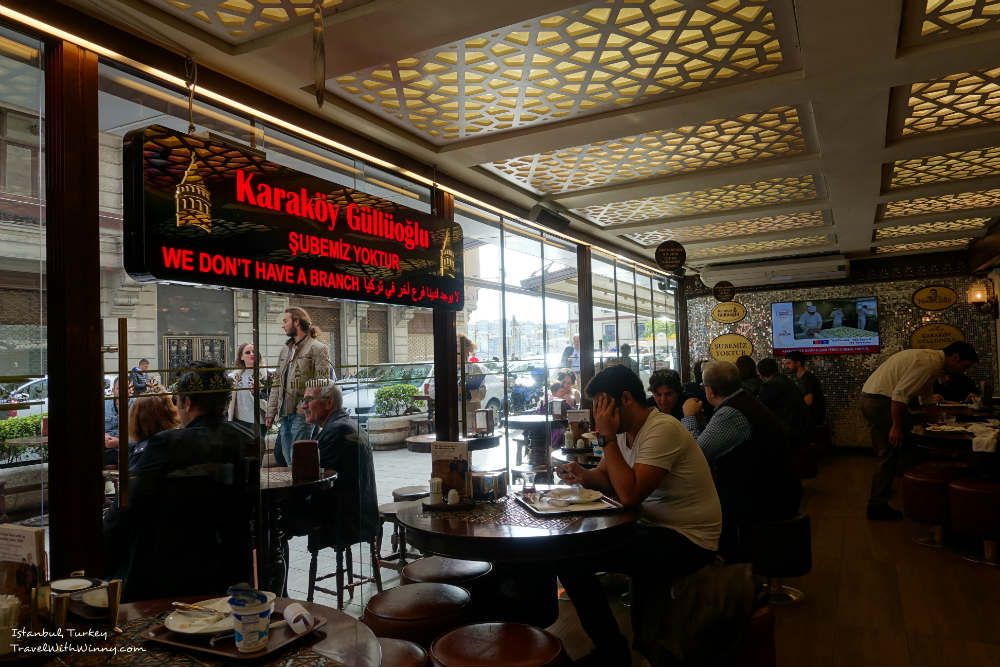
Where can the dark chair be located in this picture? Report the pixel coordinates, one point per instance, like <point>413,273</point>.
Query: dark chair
<point>925,496</point>
<point>401,653</point>
<point>782,548</point>
<point>498,644</point>
<point>320,539</point>
<point>975,512</point>
<point>418,612</point>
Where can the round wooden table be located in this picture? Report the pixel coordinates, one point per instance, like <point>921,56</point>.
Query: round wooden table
<point>277,492</point>
<point>585,457</point>
<point>342,641</point>
<point>422,443</point>
<point>506,531</point>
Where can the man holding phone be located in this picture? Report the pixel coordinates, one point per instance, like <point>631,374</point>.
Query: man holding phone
<point>656,465</point>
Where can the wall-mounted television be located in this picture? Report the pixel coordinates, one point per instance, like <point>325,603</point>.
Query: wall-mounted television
<point>825,326</point>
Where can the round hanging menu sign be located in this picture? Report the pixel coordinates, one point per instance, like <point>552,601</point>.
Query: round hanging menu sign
<point>670,255</point>
<point>934,297</point>
<point>935,336</point>
<point>724,291</point>
<point>728,312</point>
<point>730,347</point>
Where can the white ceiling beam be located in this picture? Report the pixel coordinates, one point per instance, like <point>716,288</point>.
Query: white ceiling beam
<point>694,108</point>
<point>700,180</point>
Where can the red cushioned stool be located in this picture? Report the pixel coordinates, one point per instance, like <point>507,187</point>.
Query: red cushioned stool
<point>500,644</point>
<point>418,612</point>
<point>975,511</point>
<point>401,653</point>
<point>925,496</point>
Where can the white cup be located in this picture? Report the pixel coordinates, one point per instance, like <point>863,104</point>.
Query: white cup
<point>251,621</point>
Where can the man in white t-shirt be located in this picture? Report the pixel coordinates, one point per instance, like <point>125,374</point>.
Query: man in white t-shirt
<point>659,467</point>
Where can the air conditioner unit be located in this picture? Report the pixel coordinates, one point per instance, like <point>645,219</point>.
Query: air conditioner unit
<point>751,274</point>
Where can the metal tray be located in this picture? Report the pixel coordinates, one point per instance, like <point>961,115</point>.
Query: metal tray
<point>603,504</point>
<point>277,639</point>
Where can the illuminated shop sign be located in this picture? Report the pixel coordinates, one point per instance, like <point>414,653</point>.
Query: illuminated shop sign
<point>204,212</point>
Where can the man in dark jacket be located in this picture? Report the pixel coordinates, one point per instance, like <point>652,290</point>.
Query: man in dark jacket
<point>748,450</point>
<point>354,516</point>
<point>783,398</point>
<point>187,528</point>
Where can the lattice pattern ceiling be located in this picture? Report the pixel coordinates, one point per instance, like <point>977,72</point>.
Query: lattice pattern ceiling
<point>962,224</point>
<point>758,246</point>
<point>239,21</point>
<point>719,230</point>
<point>755,136</point>
<point>944,168</point>
<point>941,19</point>
<point>953,101</point>
<point>955,202</point>
<point>946,244</point>
<point>746,195</point>
<point>601,54</point>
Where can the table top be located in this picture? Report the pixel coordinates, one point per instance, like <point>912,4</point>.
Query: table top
<point>422,442</point>
<point>342,641</point>
<point>278,479</point>
<point>583,458</point>
<point>506,531</point>
<point>532,421</point>
<point>29,441</point>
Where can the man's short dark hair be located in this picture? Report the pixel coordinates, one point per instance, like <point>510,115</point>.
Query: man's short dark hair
<point>207,386</point>
<point>626,348</point>
<point>795,355</point>
<point>767,367</point>
<point>143,361</point>
<point>747,367</point>
<point>668,378</point>
<point>614,381</point>
<point>964,350</point>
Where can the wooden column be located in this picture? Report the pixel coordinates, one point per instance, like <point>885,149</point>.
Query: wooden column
<point>75,364</point>
<point>585,304</point>
<point>445,345</point>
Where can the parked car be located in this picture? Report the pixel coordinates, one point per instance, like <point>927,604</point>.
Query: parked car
<point>359,387</point>
<point>32,395</point>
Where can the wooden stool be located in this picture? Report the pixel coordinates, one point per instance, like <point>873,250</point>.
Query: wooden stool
<point>401,653</point>
<point>782,548</point>
<point>418,612</point>
<point>316,544</point>
<point>925,496</point>
<point>441,570</point>
<point>387,512</point>
<point>975,506</point>
<point>498,644</point>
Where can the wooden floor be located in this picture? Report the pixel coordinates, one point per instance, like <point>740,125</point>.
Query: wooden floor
<point>874,596</point>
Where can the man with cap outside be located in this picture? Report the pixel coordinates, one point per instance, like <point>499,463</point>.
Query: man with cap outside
<point>810,321</point>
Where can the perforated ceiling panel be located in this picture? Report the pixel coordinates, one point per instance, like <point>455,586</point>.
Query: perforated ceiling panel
<point>238,21</point>
<point>931,20</point>
<point>897,231</point>
<point>755,136</point>
<point>947,167</point>
<point>956,202</point>
<point>947,244</point>
<point>718,230</point>
<point>601,54</point>
<point>758,246</point>
<point>957,100</point>
<point>746,195</point>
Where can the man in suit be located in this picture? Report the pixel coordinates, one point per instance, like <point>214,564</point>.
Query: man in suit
<point>303,358</point>
<point>355,503</point>
<point>187,527</point>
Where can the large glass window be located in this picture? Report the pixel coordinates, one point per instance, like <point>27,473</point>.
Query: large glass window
<point>23,313</point>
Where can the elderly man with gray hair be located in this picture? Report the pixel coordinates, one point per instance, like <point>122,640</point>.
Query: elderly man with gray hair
<point>355,515</point>
<point>749,452</point>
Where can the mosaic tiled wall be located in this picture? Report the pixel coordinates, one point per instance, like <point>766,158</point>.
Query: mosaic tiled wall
<point>843,375</point>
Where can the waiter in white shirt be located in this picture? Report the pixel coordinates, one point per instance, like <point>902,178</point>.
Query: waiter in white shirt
<point>884,398</point>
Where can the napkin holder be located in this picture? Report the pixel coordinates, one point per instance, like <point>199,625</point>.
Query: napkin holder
<point>484,422</point>
<point>557,408</point>
<point>305,460</point>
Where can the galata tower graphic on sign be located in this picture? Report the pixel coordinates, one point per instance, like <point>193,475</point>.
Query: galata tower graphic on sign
<point>447,267</point>
<point>194,202</point>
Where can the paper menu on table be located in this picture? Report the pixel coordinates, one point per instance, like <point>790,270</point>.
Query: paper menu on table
<point>576,416</point>
<point>450,462</point>
<point>22,559</point>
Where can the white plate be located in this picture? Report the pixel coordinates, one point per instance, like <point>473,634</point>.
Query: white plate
<point>69,585</point>
<point>199,622</point>
<point>96,598</point>
<point>573,495</point>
